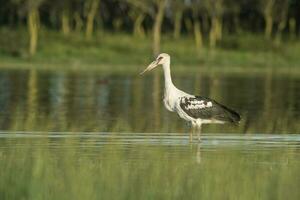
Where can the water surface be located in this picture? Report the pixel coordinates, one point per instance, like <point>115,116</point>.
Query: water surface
<point>67,135</point>
<point>39,165</point>
<point>61,101</point>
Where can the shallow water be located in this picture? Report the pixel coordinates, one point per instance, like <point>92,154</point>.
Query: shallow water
<point>95,136</point>
<point>74,165</point>
<point>61,101</point>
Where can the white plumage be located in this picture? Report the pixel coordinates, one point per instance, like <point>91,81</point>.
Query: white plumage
<point>195,109</point>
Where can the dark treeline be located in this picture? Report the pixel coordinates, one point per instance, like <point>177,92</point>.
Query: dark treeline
<point>206,20</point>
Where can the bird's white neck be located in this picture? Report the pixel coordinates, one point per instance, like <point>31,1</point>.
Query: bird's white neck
<point>171,92</point>
<point>167,74</point>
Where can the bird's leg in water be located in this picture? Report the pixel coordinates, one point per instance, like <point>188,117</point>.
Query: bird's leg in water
<point>198,154</point>
<point>199,132</point>
<point>192,132</point>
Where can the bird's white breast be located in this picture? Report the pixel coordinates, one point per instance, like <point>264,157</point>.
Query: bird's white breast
<point>172,98</point>
<point>169,103</point>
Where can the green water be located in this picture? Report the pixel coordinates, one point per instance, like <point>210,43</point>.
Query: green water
<point>100,136</point>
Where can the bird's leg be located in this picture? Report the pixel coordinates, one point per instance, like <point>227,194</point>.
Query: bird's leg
<point>199,132</point>
<point>192,132</point>
<point>198,154</point>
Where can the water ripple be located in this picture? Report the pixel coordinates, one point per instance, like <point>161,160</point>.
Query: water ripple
<point>94,139</point>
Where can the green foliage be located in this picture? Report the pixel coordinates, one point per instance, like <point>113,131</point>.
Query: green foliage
<point>126,53</point>
<point>213,17</point>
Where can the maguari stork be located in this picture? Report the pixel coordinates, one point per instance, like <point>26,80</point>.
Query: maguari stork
<point>195,109</point>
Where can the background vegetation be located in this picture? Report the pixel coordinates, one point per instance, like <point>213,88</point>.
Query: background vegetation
<point>72,33</point>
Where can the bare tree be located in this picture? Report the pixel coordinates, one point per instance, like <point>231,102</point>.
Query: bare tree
<point>77,14</point>
<point>156,10</point>
<point>197,7</point>
<point>138,16</point>
<point>178,7</point>
<point>33,23</point>
<point>281,8</point>
<point>161,4</point>
<point>91,7</point>
<point>139,9</point>
<point>31,8</point>
<point>215,9</point>
<point>267,9</point>
<point>61,10</point>
<point>65,18</point>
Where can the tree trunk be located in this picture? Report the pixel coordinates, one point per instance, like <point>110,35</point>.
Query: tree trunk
<point>292,28</point>
<point>65,22</point>
<point>281,27</point>
<point>33,26</point>
<point>282,22</point>
<point>268,10</point>
<point>189,25</point>
<point>138,28</point>
<point>157,26</point>
<point>90,19</point>
<point>213,36</point>
<point>117,24</point>
<point>219,28</point>
<point>177,23</point>
<point>78,22</point>
<point>268,27</point>
<point>198,35</point>
<point>215,33</point>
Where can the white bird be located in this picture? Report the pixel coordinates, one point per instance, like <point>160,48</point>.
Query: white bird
<point>195,109</point>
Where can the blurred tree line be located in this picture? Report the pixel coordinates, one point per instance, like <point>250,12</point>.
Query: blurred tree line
<point>205,20</point>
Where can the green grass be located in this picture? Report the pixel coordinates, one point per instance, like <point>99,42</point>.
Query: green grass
<point>121,52</point>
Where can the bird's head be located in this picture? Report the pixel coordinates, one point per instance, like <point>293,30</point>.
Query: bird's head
<point>161,59</point>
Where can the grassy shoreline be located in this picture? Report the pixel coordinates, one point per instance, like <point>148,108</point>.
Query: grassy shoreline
<point>132,70</point>
<point>111,52</point>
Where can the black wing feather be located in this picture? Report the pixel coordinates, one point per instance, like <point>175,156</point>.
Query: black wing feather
<point>210,109</point>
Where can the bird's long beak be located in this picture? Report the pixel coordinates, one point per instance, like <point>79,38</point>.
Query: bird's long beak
<point>150,67</point>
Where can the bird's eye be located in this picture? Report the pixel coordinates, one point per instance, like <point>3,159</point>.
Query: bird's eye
<point>159,58</point>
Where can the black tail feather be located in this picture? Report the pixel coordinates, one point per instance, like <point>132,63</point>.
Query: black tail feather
<point>233,116</point>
